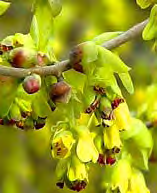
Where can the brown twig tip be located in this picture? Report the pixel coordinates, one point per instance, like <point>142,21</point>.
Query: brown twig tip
<point>58,68</point>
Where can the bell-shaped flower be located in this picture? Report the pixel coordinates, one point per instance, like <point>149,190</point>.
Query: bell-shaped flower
<point>77,170</point>
<point>137,183</point>
<point>86,150</point>
<point>62,143</point>
<point>112,137</point>
<point>122,116</point>
<point>120,176</point>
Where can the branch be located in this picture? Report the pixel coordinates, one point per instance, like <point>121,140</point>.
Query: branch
<point>60,67</point>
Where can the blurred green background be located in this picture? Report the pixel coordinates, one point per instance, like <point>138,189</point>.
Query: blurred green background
<point>26,165</point>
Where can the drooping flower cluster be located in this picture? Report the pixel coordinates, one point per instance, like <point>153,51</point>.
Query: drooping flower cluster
<point>96,123</point>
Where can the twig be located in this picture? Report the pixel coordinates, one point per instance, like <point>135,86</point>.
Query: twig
<point>60,67</point>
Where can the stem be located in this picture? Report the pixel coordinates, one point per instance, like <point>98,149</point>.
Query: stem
<point>58,68</point>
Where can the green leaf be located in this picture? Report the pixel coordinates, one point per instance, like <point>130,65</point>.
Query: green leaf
<point>138,142</point>
<point>56,7</point>
<point>40,105</point>
<point>150,31</point>
<point>34,31</point>
<point>3,6</point>
<point>127,82</point>
<point>111,61</point>
<point>102,38</point>
<point>8,88</point>
<point>145,3</point>
<point>139,133</point>
<point>42,24</point>
<point>90,52</point>
<point>88,95</point>
<point>75,79</point>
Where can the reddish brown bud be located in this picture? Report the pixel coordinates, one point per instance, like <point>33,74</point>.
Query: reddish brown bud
<point>76,57</point>
<point>60,92</point>
<point>32,84</point>
<point>23,58</point>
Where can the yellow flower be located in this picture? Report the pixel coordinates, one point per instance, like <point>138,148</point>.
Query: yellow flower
<point>112,137</point>
<point>121,175</point>
<point>137,183</point>
<point>86,150</point>
<point>77,170</point>
<point>62,143</point>
<point>122,116</point>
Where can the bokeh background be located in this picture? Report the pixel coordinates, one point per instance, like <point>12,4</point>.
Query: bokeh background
<point>26,165</point>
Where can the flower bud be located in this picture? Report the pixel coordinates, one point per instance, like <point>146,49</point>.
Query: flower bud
<point>32,84</point>
<point>60,92</point>
<point>22,57</point>
<point>76,58</point>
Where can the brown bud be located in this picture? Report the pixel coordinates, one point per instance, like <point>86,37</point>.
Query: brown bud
<point>60,92</point>
<point>76,57</point>
<point>32,84</point>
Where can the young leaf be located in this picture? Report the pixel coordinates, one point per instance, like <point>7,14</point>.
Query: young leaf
<point>75,79</point>
<point>34,31</point>
<point>102,38</point>
<point>42,24</point>
<point>138,138</point>
<point>90,52</point>
<point>111,61</point>
<point>150,31</point>
<point>8,88</point>
<point>56,7</point>
<point>127,82</point>
<point>3,6</point>
<point>145,3</point>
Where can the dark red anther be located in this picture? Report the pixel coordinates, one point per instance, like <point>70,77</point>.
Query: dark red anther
<point>88,110</point>
<point>20,124</point>
<point>11,122</point>
<point>1,122</point>
<point>26,114</point>
<point>99,90</point>
<point>9,48</point>
<point>78,185</point>
<point>116,102</point>
<point>60,185</point>
<point>101,159</point>
<point>110,160</point>
<point>4,48</point>
<point>115,150</point>
<point>105,125</point>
